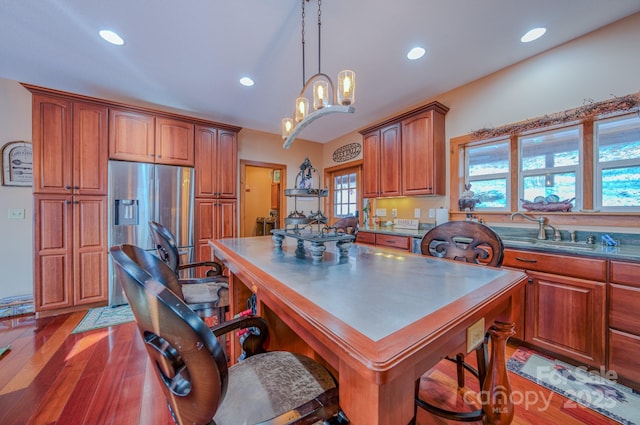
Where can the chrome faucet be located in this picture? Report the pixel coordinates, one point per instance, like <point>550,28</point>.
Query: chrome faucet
<point>557,236</point>
<point>540,220</point>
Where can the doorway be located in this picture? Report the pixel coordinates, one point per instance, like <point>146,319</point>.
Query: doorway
<point>261,197</point>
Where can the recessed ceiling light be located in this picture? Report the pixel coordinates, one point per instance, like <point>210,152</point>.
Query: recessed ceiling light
<point>416,53</point>
<point>111,37</point>
<point>246,81</point>
<point>533,34</point>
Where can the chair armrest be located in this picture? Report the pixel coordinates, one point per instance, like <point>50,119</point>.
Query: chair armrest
<point>254,341</point>
<point>216,268</point>
<point>222,280</point>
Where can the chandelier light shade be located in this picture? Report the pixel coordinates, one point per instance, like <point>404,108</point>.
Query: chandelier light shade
<point>326,99</point>
<point>346,87</point>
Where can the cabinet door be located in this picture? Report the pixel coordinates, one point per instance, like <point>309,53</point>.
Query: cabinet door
<point>131,136</point>
<point>90,249</point>
<point>90,149</point>
<point>52,248</point>
<point>226,222</point>
<point>227,164</point>
<point>566,316</point>
<point>390,161</point>
<point>370,164</point>
<point>205,165</point>
<point>420,167</point>
<point>52,147</point>
<point>174,142</point>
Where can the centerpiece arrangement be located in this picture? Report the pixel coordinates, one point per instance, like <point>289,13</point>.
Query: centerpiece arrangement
<point>312,227</point>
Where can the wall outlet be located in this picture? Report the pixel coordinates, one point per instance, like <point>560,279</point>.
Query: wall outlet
<point>475,335</point>
<point>416,213</point>
<point>394,212</point>
<point>15,214</point>
<point>432,213</point>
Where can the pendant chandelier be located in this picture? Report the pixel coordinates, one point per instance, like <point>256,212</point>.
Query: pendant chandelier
<point>326,100</point>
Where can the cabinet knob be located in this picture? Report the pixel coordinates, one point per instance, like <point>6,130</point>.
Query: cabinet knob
<point>67,202</point>
<point>529,281</point>
<point>76,202</point>
<point>76,187</point>
<point>67,187</point>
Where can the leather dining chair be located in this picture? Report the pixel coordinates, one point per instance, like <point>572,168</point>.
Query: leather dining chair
<point>207,296</point>
<point>347,224</point>
<point>471,242</point>
<point>266,388</point>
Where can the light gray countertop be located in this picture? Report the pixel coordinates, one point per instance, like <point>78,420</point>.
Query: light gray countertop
<point>516,238</point>
<point>375,291</point>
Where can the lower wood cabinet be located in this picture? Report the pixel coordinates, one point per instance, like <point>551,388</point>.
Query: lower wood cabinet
<point>70,244</point>
<point>565,307</point>
<point>382,239</point>
<point>215,219</point>
<point>624,322</point>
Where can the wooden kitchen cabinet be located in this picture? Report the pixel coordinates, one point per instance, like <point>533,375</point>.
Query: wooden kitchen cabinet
<point>383,239</point>
<point>565,304</point>
<point>624,322</point>
<point>70,241</point>
<point>405,155</point>
<point>70,146</point>
<point>215,219</point>
<point>216,163</point>
<point>423,153</point>
<point>142,137</point>
<point>381,162</point>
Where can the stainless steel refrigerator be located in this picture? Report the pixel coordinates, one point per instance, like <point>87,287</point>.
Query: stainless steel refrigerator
<point>140,192</point>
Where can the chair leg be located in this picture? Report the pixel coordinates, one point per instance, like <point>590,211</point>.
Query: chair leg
<point>460,369</point>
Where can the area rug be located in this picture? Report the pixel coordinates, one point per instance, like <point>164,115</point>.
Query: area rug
<point>102,317</point>
<point>590,388</point>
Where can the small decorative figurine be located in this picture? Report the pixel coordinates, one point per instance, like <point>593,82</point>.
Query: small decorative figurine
<point>468,201</point>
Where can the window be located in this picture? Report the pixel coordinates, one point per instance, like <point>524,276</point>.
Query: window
<point>550,166</point>
<point>345,193</point>
<point>487,172</point>
<point>617,176</point>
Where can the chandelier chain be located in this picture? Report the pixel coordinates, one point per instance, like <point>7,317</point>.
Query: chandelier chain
<point>304,79</point>
<point>319,34</point>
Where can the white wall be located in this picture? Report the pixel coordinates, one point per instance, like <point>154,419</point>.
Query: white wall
<point>16,246</point>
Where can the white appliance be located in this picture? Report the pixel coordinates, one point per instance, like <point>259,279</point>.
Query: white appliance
<point>141,192</point>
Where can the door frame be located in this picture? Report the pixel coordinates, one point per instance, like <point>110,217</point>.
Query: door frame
<point>243,179</point>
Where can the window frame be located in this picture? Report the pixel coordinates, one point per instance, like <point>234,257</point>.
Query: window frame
<point>577,217</point>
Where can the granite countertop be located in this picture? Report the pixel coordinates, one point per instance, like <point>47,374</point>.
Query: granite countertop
<point>525,239</point>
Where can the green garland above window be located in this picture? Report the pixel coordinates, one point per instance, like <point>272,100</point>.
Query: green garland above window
<point>591,109</point>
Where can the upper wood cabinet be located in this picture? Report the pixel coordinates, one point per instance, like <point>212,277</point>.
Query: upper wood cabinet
<point>381,162</point>
<point>423,153</point>
<point>70,146</point>
<point>216,163</point>
<point>141,137</point>
<point>405,155</point>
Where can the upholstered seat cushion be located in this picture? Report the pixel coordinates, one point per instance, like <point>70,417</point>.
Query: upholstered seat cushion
<point>266,385</point>
<point>196,293</point>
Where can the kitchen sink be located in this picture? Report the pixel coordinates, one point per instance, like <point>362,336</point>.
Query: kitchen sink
<point>568,245</point>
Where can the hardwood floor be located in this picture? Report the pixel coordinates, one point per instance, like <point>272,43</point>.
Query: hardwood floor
<point>53,377</point>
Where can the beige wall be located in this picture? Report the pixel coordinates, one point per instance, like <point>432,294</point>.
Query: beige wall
<point>595,67</point>
<point>16,246</point>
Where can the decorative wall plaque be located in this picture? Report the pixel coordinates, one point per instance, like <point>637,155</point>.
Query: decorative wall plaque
<point>17,164</point>
<point>347,152</point>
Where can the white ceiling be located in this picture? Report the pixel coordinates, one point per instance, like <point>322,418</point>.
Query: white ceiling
<point>188,56</point>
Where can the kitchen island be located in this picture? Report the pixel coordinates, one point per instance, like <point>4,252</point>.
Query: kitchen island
<point>378,318</point>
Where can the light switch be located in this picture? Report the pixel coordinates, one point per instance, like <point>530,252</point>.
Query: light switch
<point>416,213</point>
<point>432,213</point>
<point>394,212</point>
<point>15,214</point>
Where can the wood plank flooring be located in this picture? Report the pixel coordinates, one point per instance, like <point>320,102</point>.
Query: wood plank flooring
<point>103,377</point>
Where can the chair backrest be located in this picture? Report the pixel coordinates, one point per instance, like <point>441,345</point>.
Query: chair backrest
<point>467,241</point>
<point>187,358</point>
<point>165,243</point>
<point>347,222</point>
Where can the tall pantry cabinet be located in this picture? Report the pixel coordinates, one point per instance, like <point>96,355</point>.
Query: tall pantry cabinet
<point>216,193</point>
<point>70,153</point>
